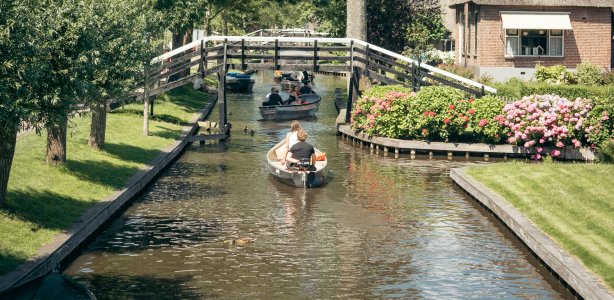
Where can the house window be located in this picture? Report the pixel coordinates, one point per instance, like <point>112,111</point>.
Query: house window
<point>538,42</point>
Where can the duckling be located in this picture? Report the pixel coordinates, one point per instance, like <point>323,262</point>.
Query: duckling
<point>245,129</point>
<point>241,241</point>
<point>251,132</point>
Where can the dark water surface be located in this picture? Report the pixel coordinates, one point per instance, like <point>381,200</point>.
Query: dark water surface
<point>382,227</point>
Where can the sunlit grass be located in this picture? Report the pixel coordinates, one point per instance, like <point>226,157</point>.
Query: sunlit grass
<point>572,203</point>
<point>44,200</point>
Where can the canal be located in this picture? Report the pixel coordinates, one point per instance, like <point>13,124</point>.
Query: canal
<point>381,228</point>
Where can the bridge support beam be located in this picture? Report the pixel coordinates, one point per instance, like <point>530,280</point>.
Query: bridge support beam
<point>353,93</point>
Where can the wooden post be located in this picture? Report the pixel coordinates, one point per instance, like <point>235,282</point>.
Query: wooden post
<point>221,89</point>
<point>205,60</point>
<point>352,55</point>
<point>152,99</point>
<point>315,56</point>
<point>348,106</point>
<point>243,67</point>
<point>276,57</point>
<point>367,55</point>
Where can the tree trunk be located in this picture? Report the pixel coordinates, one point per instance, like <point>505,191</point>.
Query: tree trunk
<point>224,24</point>
<point>8,139</point>
<point>187,38</point>
<point>356,19</point>
<point>177,42</point>
<point>56,140</point>
<point>99,126</point>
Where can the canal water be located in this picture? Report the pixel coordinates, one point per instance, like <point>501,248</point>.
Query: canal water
<point>381,228</point>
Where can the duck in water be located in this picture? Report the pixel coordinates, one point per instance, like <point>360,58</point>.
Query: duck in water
<point>241,241</point>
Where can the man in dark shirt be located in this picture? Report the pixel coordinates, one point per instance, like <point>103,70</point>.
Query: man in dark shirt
<point>302,151</point>
<point>306,89</point>
<point>274,99</point>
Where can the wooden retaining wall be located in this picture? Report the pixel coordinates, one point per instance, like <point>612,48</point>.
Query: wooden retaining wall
<point>568,268</point>
<point>66,243</point>
<point>411,146</point>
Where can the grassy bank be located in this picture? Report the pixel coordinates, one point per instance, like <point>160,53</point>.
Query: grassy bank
<point>44,200</point>
<point>572,203</point>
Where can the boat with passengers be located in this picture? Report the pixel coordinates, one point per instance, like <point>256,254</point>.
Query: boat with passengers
<point>302,175</point>
<point>306,107</point>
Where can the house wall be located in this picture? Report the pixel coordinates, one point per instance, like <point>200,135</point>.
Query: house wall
<point>589,41</point>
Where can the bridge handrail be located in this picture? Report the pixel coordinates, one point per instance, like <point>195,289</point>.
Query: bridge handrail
<point>346,41</point>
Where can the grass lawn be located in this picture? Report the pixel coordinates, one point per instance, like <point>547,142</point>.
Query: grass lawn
<point>572,203</point>
<point>43,200</point>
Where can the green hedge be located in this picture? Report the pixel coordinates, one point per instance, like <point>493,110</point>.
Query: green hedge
<point>517,89</point>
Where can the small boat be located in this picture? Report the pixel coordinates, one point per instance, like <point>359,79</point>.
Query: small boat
<point>241,83</point>
<point>307,108</point>
<point>287,84</point>
<point>294,176</point>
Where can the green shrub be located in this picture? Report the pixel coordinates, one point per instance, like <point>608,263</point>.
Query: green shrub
<point>485,120</point>
<point>588,74</point>
<point>379,91</point>
<point>606,151</point>
<point>518,89</point>
<point>607,78</point>
<point>458,70</point>
<point>553,74</point>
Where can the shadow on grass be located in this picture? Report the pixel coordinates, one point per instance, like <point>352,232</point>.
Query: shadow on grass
<point>156,117</point>
<point>165,133</point>
<point>44,208</point>
<point>8,263</point>
<point>132,153</point>
<point>103,173</point>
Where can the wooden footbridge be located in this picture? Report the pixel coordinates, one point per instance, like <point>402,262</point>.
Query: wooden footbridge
<point>214,55</point>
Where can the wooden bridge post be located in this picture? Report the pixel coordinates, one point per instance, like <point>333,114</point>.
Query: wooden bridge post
<point>353,93</point>
<point>315,56</point>
<point>276,55</point>
<point>243,66</point>
<point>221,88</point>
<point>352,55</point>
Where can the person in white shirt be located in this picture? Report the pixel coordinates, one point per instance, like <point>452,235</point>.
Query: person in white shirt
<point>291,139</point>
<point>266,98</point>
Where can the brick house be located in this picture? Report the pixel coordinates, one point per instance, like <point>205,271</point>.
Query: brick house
<point>507,38</point>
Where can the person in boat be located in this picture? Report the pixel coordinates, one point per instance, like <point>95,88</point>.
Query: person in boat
<point>300,76</point>
<point>274,99</point>
<point>306,76</point>
<point>302,154</point>
<point>294,96</point>
<point>266,98</point>
<point>291,139</point>
<point>306,89</point>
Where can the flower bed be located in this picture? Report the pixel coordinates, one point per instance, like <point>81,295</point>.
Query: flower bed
<point>444,114</point>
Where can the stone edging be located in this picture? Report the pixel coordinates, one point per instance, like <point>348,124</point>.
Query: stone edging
<point>65,243</point>
<point>578,277</point>
<point>567,153</point>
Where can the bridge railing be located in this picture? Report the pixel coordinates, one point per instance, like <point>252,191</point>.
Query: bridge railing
<point>213,53</point>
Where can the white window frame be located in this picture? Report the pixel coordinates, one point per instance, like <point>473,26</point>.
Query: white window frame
<point>519,41</point>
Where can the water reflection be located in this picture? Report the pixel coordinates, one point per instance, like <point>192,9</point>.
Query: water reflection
<point>382,227</point>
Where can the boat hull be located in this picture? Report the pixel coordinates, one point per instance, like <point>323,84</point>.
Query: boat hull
<point>293,177</point>
<point>240,85</point>
<point>292,111</point>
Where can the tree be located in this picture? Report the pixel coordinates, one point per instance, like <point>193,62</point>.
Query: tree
<point>113,50</point>
<point>21,70</point>
<point>357,19</point>
<point>393,23</point>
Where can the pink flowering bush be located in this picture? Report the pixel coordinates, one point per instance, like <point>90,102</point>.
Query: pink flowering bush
<point>549,121</point>
<point>439,113</point>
